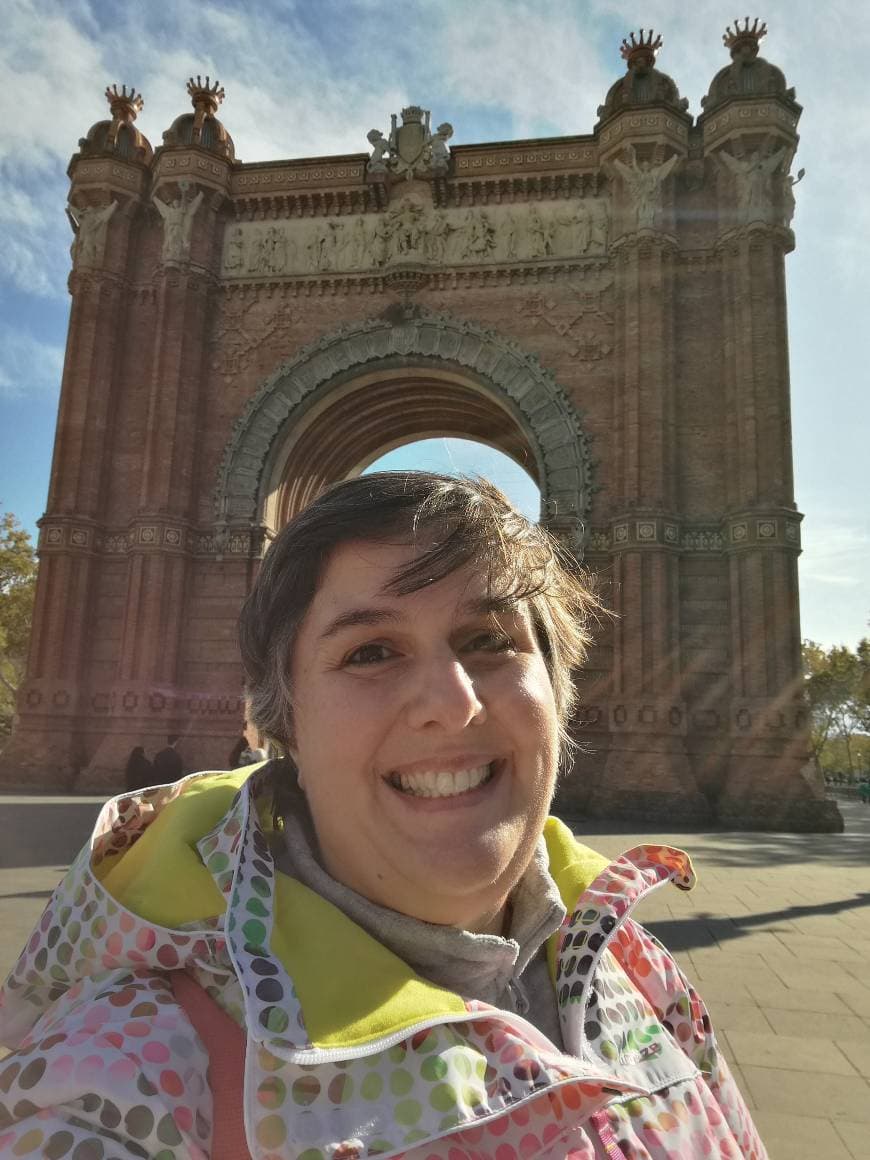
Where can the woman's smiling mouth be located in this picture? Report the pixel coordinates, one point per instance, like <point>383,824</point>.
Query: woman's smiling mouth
<point>443,783</point>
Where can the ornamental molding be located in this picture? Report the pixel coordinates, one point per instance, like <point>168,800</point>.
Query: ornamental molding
<point>637,126</point>
<point>148,535</point>
<point>412,277</point>
<point>756,531</point>
<point>748,116</point>
<point>549,418</point>
<point>503,160</point>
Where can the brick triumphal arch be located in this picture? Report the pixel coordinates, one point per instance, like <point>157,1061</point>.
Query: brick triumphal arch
<point>608,309</point>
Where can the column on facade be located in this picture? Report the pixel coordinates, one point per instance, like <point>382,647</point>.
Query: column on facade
<point>159,558</point>
<point>54,696</point>
<point>769,749</point>
<point>647,760</point>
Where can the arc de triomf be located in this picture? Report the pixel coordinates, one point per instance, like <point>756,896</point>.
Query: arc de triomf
<point>608,309</point>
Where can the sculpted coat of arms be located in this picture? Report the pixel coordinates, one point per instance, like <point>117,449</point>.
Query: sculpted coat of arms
<point>411,147</point>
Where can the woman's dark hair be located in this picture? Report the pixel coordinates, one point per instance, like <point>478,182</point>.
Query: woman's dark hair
<point>455,521</point>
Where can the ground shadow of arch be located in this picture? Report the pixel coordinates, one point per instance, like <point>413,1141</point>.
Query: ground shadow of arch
<point>482,369</point>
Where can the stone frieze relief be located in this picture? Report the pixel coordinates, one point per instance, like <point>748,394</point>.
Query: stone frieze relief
<point>412,232</point>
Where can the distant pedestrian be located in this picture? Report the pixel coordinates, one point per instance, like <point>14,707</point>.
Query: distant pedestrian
<point>168,765</point>
<point>864,792</point>
<point>139,772</point>
<point>236,752</point>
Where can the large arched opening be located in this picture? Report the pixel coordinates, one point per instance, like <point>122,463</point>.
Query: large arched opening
<point>343,403</point>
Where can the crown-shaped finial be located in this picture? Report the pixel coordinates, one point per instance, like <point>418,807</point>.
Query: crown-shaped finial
<point>640,46</point>
<point>736,39</point>
<point>124,103</point>
<point>205,94</point>
<point>413,115</point>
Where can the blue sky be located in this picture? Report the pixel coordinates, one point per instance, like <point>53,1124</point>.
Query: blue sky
<point>312,76</point>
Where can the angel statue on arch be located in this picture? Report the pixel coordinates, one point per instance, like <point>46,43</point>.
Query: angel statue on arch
<point>643,181</point>
<point>178,218</point>
<point>752,175</point>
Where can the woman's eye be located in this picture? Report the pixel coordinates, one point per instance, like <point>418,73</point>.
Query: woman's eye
<point>369,654</point>
<point>490,642</point>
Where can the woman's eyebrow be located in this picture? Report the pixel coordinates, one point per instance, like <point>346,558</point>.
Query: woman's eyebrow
<point>368,616</point>
<point>354,617</point>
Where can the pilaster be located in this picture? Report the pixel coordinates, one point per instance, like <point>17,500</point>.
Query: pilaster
<point>647,770</point>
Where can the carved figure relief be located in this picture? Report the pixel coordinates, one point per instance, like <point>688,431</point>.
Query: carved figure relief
<point>380,155</point>
<point>439,151</point>
<point>412,231</point>
<point>89,226</point>
<point>643,181</point>
<point>178,218</point>
<point>753,181</point>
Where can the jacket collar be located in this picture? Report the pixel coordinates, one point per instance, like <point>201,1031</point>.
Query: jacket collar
<point>313,980</point>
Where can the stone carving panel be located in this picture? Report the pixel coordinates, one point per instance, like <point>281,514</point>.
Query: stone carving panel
<point>412,231</point>
<point>242,326</point>
<point>585,320</point>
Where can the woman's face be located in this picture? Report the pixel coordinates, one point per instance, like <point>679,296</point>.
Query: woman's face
<point>425,736</point>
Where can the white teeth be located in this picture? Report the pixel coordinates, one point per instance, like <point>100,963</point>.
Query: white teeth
<point>441,783</point>
<point>445,784</point>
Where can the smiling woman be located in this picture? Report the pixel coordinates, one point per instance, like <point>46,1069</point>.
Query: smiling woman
<point>376,943</point>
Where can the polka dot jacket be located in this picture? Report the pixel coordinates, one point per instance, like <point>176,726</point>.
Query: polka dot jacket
<point>348,1052</point>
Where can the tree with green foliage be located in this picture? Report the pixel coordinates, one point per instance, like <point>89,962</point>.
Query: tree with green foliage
<point>17,587</point>
<point>837,686</point>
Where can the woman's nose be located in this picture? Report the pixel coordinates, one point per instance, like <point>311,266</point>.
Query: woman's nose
<point>443,694</point>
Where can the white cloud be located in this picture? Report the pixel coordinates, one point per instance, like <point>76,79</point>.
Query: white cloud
<point>28,365</point>
<point>837,554</point>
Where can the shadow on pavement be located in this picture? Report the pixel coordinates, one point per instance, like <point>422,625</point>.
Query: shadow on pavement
<point>705,930</point>
<point>44,833</point>
<point>725,849</point>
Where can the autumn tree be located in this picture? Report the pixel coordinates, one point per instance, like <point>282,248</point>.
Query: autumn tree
<point>837,686</point>
<point>17,585</point>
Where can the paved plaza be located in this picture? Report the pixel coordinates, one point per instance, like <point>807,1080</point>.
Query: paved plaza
<point>776,935</point>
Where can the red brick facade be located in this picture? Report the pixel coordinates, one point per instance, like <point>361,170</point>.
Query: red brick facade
<point>607,309</point>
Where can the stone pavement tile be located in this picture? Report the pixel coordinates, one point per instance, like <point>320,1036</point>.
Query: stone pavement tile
<point>798,975</point>
<point>719,958</point>
<point>795,1053</point>
<point>856,997</point>
<point>823,925</point>
<point>717,990</point>
<point>761,942</point>
<point>795,1093</point>
<point>858,1053</point>
<point>739,1017</point>
<point>732,973</point>
<point>808,946</point>
<point>740,1080</point>
<point>800,1137</point>
<point>859,971</point>
<point>771,993</point>
<point>817,1024</point>
<point>861,945</point>
<point>856,1138</point>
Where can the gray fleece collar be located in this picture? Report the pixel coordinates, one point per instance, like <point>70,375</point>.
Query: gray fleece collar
<point>476,966</point>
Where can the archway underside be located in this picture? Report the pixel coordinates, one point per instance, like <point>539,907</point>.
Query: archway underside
<point>346,434</point>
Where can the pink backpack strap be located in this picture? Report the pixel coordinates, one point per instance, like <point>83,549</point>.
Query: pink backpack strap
<point>224,1041</point>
